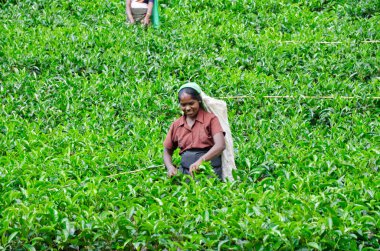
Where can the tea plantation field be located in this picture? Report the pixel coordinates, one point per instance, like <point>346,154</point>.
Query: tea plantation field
<point>86,101</point>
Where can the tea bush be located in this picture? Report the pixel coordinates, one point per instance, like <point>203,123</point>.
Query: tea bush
<point>86,100</point>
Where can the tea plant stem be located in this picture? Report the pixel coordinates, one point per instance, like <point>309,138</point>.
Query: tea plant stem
<point>292,97</point>
<point>134,171</point>
<point>327,42</point>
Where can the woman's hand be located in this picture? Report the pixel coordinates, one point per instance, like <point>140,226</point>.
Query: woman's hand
<point>172,171</point>
<point>146,20</point>
<point>195,166</point>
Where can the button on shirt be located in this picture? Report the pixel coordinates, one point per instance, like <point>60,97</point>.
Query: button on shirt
<point>199,136</point>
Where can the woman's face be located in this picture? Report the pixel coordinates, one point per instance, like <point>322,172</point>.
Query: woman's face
<point>189,106</point>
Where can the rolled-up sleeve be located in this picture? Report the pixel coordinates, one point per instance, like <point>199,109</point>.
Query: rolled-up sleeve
<point>169,142</point>
<point>215,126</point>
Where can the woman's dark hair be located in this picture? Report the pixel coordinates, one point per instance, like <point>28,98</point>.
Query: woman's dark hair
<point>190,91</point>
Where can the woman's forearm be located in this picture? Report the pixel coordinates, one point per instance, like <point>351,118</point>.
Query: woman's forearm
<point>212,153</point>
<point>128,10</point>
<point>150,8</point>
<point>168,158</point>
<point>217,149</point>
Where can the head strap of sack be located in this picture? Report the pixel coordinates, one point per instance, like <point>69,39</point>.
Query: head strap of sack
<point>191,85</point>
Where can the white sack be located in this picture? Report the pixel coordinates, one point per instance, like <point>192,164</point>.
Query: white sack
<point>219,108</point>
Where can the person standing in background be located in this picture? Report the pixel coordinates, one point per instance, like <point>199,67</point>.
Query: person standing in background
<point>139,11</point>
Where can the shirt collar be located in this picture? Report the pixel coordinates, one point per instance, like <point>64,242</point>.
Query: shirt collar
<point>200,115</point>
<point>199,118</point>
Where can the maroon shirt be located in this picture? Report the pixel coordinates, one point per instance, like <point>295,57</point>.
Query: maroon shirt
<point>199,136</point>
